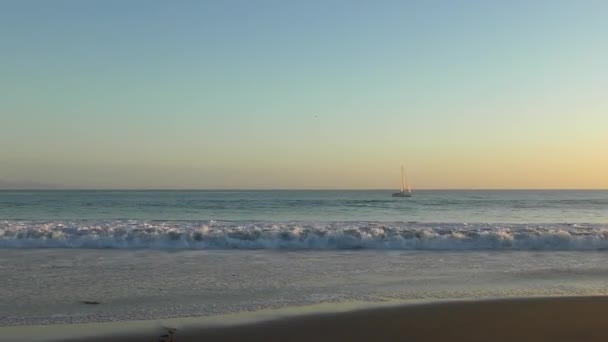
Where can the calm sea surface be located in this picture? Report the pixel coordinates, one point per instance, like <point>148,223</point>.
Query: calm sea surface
<point>425,206</point>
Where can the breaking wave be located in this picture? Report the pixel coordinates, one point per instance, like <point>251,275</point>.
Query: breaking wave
<point>130,234</point>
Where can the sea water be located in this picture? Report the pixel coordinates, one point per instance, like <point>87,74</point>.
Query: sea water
<point>160,254</point>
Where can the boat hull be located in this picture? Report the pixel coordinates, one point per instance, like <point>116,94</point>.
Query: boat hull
<point>402,194</point>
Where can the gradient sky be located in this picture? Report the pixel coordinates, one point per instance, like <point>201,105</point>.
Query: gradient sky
<point>303,94</point>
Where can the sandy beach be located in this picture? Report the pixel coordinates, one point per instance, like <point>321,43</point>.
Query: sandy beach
<point>300,296</point>
<point>521,319</point>
<point>544,319</point>
<point>538,319</point>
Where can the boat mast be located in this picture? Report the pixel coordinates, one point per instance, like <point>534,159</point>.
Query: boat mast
<point>402,181</point>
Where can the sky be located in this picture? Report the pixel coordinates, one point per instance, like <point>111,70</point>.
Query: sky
<point>108,94</point>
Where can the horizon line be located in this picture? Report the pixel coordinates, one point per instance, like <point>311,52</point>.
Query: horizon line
<point>300,189</point>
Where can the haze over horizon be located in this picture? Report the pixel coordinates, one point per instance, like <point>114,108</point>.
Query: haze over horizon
<point>303,95</point>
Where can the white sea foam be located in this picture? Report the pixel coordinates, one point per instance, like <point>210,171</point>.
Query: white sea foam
<point>130,234</point>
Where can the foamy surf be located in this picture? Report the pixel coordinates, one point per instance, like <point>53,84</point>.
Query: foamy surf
<point>130,234</point>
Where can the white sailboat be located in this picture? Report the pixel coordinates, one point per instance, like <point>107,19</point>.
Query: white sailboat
<point>406,191</point>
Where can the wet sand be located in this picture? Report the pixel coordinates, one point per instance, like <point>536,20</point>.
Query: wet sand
<point>521,319</point>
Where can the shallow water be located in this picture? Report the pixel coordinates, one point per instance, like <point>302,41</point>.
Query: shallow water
<point>48,285</point>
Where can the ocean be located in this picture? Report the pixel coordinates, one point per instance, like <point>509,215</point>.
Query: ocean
<point>163,254</point>
<point>436,220</point>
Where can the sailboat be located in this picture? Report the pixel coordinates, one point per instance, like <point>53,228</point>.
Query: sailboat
<point>406,191</point>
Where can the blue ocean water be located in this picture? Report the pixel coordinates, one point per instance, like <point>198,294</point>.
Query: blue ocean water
<point>430,219</point>
<point>160,254</point>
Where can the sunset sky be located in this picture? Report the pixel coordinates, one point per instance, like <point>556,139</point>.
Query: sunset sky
<point>303,94</point>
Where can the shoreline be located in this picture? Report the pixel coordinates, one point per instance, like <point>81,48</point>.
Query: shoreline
<point>504,319</point>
